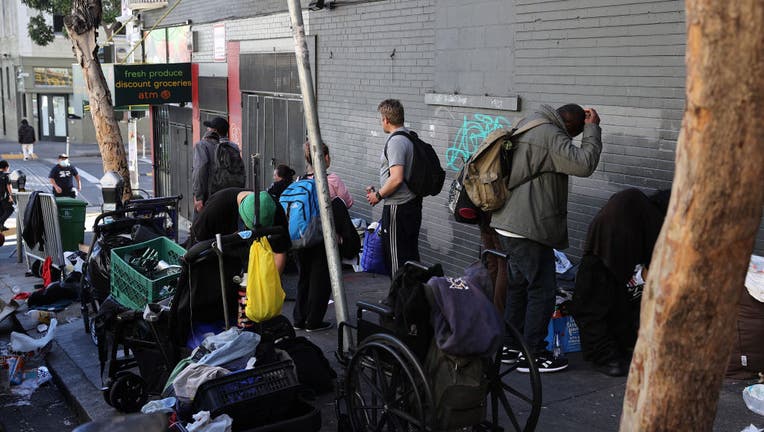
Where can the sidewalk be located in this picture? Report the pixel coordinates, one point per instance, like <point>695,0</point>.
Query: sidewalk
<point>578,399</point>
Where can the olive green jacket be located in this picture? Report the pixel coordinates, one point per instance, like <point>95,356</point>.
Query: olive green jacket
<point>538,209</point>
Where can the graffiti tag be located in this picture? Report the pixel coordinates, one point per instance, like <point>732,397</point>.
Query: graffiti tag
<point>470,136</point>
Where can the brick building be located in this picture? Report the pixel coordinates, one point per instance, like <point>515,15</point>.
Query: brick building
<point>461,69</point>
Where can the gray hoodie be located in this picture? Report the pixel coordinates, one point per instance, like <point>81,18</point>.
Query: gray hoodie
<point>538,209</point>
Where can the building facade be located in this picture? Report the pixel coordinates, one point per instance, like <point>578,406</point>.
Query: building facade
<point>461,69</point>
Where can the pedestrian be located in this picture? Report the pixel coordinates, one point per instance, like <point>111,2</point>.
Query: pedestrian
<point>6,194</point>
<point>314,286</point>
<point>62,177</point>
<point>283,176</point>
<point>208,176</point>
<point>402,211</point>
<point>620,237</point>
<point>27,139</point>
<point>533,221</point>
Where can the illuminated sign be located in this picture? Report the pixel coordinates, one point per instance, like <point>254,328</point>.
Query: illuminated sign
<point>152,84</point>
<point>52,77</point>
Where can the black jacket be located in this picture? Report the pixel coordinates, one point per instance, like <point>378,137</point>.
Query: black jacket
<point>26,134</point>
<point>34,227</point>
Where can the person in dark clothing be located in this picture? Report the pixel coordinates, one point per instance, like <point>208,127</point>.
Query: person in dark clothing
<point>283,176</point>
<point>621,236</point>
<point>314,285</point>
<point>6,195</point>
<point>27,139</point>
<point>62,178</point>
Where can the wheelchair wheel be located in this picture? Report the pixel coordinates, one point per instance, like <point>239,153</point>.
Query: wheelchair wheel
<point>515,395</point>
<point>386,388</point>
<point>128,393</point>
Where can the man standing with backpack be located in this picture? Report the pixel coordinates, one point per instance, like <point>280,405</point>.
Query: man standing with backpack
<point>533,221</point>
<point>402,211</point>
<point>217,163</point>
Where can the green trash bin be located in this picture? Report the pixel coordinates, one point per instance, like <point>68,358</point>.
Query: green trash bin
<point>71,219</point>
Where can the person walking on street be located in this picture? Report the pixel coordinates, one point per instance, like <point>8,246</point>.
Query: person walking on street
<point>6,194</point>
<point>62,177</point>
<point>533,221</point>
<point>27,139</point>
<point>314,286</point>
<point>402,211</point>
<point>208,175</point>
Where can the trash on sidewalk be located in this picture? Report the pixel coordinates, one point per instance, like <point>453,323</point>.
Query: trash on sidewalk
<point>203,423</point>
<point>753,396</point>
<point>31,348</point>
<point>166,405</point>
<point>26,381</point>
<point>752,428</point>
<point>6,309</point>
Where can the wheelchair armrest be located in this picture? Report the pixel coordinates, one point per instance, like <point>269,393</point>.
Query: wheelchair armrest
<point>379,309</point>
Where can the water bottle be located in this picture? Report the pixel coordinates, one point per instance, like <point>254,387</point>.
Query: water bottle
<point>557,348</point>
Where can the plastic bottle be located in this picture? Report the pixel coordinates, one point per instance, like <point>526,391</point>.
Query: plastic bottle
<point>557,348</point>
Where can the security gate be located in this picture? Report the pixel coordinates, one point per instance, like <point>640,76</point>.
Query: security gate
<point>173,155</point>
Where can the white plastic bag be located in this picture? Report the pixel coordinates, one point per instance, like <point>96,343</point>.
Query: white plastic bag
<point>203,423</point>
<point>753,396</point>
<point>23,344</point>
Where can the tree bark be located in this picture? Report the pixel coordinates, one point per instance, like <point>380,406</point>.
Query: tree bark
<point>82,26</point>
<point>700,261</point>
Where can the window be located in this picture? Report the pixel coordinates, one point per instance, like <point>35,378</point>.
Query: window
<point>58,23</point>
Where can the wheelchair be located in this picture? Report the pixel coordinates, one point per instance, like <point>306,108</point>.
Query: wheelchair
<point>386,387</point>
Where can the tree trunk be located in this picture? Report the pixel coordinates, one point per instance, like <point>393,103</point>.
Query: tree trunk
<point>82,26</point>
<point>690,302</point>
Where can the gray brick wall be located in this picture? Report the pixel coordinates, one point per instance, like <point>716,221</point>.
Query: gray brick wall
<point>623,57</point>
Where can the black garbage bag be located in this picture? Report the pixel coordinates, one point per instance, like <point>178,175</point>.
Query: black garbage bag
<point>99,264</point>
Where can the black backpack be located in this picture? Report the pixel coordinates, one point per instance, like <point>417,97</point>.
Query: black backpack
<point>227,168</point>
<point>313,369</point>
<point>426,175</point>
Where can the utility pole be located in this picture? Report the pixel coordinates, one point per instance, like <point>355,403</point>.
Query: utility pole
<point>314,135</point>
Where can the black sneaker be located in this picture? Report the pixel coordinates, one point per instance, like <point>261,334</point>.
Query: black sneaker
<point>321,327</point>
<point>298,326</point>
<point>545,363</point>
<point>511,356</point>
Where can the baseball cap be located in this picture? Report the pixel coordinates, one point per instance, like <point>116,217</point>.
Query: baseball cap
<point>63,156</point>
<point>219,124</point>
<point>267,209</point>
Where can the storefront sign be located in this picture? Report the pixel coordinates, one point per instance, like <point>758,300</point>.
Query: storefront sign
<point>152,84</point>
<point>52,77</point>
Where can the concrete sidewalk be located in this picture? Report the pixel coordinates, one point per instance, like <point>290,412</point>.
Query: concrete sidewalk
<point>578,399</point>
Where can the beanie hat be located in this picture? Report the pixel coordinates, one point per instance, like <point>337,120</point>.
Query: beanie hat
<point>267,210</point>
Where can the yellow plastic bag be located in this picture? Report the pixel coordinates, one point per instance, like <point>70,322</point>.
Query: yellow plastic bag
<point>265,296</point>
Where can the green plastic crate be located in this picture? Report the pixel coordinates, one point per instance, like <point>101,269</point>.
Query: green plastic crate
<point>132,289</point>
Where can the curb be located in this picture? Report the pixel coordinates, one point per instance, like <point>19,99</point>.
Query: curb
<point>85,399</point>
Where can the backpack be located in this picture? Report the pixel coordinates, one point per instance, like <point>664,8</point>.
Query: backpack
<point>459,203</point>
<point>459,388</point>
<point>485,173</point>
<point>227,168</point>
<point>426,176</point>
<point>300,203</point>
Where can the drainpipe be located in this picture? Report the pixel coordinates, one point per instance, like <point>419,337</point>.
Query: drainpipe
<point>314,135</point>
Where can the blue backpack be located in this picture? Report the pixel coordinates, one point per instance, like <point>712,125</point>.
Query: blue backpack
<point>300,203</point>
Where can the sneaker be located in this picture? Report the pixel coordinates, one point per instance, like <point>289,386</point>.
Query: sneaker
<point>613,368</point>
<point>321,327</point>
<point>298,326</point>
<point>511,356</point>
<point>545,363</point>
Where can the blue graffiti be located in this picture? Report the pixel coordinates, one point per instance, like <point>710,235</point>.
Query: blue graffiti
<point>470,136</point>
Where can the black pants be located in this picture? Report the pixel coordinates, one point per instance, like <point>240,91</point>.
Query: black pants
<point>400,233</point>
<point>6,210</point>
<point>607,320</point>
<point>313,286</point>
<point>531,290</point>
<point>64,193</point>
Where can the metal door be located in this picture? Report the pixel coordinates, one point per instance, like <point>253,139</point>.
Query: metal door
<point>275,128</point>
<point>173,158</point>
